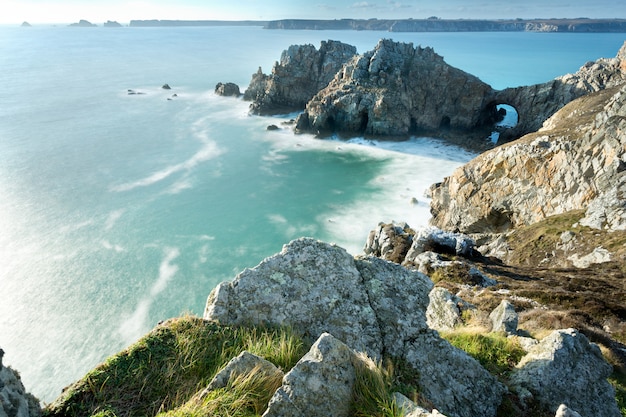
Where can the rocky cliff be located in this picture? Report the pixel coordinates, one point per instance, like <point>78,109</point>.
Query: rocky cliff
<point>397,89</point>
<point>575,162</point>
<point>15,401</point>
<point>300,74</point>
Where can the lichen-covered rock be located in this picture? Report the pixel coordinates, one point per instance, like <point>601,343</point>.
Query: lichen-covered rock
<point>504,318</point>
<point>310,285</point>
<point>410,409</point>
<point>443,312</point>
<point>300,74</point>
<point>565,368</point>
<point>452,380</point>
<point>243,364</point>
<point>576,162</point>
<point>14,400</point>
<point>370,304</point>
<point>320,384</point>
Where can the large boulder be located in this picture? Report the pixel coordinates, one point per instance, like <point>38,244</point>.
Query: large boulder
<point>300,74</point>
<point>371,305</point>
<point>227,90</point>
<point>320,384</point>
<point>14,400</point>
<point>565,368</point>
<point>504,318</point>
<point>575,162</point>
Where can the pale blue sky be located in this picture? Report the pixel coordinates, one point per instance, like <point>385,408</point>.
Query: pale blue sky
<point>97,11</point>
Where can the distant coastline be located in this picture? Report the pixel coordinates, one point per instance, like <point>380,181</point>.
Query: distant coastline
<point>432,24</point>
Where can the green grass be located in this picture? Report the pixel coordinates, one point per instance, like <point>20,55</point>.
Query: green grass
<point>618,380</point>
<point>495,352</point>
<point>164,369</point>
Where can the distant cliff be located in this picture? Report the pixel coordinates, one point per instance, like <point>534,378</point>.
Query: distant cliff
<point>459,25</point>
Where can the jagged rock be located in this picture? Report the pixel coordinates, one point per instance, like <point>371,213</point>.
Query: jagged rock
<point>397,89</point>
<point>166,87</point>
<point>83,23</point>
<point>14,400</point>
<point>441,241</point>
<point>242,364</point>
<point>504,318</point>
<point>389,241</point>
<point>227,90</point>
<point>443,312</point>
<point>300,74</point>
<point>578,158</point>
<point>370,304</point>
<point>565,411</point>
<point>310,285</point>
<point>319,385</point>
<point>565,368</point>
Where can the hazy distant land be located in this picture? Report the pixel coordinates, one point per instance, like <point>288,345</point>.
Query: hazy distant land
<point>432,24</point>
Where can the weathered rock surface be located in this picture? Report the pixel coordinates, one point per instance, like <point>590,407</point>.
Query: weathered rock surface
<point>320,384</point>
<point>504,318</point>
<point>577,161</point>
<point>444,311</point>
<point>397,89</point>
<point>243,364</point>
<point>565,411</point>
<point>565,368</point>
<point>370,304</point>
<point>300,74</point>
<point>227,90</point>
<point>14,400</point>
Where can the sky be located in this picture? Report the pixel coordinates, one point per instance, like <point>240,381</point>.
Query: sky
<point>98,11</point>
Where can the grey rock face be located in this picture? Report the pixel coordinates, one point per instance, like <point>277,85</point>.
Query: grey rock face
<point>14,400</point>
<point>320,384</point>
<point>372,305</point>
<point>565,368</point>
<point>312,286</point>
<point>227,90</point>
<point>300,74</point>
<point>243,364</point>
<point>576,162</point>
<point>504,318</point>
<point>443,312</point>
<point>395,90</point>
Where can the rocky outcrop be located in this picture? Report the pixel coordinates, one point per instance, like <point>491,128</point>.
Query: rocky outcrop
<point>243,364</point>
<point>14,400</point>
<point>576,161</point>
<point>564,368</point>
<point>320,384</point>
<point>444,310</point>
<point>227,90</point>
<point>504,318</point>
<point>371,305</point>
<point>397,89</point>
<point>83,24</point>
<point>300,74</point>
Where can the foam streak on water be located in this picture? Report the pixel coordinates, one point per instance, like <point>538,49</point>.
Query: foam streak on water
<point>118,211</point>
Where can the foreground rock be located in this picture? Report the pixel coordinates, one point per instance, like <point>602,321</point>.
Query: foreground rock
<point>320,384</point>
<point>564,368</point>
<point>300,74</point>
<point>14,400</point>
<point>575,162</point>
<point>370,304</point>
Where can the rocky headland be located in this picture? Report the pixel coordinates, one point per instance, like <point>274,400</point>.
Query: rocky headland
<point>397,90</point>
<point>512,304</point>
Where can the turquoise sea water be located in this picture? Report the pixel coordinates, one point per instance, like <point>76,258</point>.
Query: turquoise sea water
<point>118,211</point>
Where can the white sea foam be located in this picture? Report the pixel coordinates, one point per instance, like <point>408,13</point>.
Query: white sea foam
<point>137,323</point>
<point>209,150</point>
<point>112,218</point>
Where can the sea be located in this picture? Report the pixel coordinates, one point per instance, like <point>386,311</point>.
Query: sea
<point>123,204</point>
